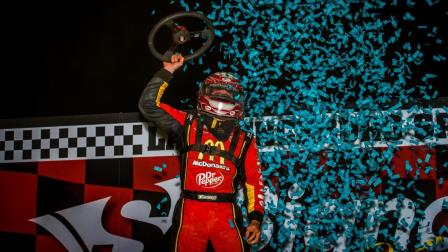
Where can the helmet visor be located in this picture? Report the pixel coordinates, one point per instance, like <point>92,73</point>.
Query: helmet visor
<point>224,92</point>
<point>220,108</point>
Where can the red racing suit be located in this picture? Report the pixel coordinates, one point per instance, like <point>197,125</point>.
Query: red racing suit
<point>211,171</point>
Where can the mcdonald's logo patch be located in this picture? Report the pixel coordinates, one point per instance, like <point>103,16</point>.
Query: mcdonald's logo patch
<point>217,144</point>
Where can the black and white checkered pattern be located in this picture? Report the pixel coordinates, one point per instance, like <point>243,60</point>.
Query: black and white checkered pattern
<point>137,138</point>
<point>80,142</point>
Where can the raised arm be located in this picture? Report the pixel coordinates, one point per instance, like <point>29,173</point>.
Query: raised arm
<point>164,116</point>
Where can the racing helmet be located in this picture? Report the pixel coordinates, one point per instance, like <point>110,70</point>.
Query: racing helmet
<point>221,96</point>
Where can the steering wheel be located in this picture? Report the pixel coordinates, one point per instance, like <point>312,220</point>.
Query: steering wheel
<point>181,35</point>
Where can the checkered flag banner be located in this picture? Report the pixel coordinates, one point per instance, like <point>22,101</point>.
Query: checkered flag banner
<point>135,137</point>
<point>95,141</point>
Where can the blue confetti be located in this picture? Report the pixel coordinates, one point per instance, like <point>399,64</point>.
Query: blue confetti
<point>163,200</point>
<point>185,5</point>
<point>432,2</point>
<point>443,229</point>
<point>408,17</point>
<point>438,58</point>
<point>327,54</point>
<point>218,33</point>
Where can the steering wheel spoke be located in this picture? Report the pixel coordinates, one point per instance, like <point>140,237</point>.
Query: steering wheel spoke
<point>196,34</point>
<point>170,25</point>
<point>206,33</point>
<point>168,53</point>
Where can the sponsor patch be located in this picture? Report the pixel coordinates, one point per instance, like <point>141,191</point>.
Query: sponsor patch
<point>209,179</point>
<point>207,197</point>
<point>210,165</point>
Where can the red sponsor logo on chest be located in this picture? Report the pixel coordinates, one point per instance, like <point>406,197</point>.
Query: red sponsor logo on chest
<point>209,179</point>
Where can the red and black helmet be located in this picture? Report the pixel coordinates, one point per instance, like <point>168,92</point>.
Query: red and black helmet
<point>221,96</point>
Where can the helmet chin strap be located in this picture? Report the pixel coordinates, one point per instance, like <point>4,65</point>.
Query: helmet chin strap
<point>221,129</point>
<point>214,123</point>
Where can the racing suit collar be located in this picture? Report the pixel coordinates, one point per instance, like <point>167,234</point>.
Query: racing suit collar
<point>221,129</point>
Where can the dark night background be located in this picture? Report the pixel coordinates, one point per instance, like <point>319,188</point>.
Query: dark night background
<point>80,57</point>
<point>88,57</point>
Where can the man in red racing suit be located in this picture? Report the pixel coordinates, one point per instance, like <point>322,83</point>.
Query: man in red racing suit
<point>216,157</point>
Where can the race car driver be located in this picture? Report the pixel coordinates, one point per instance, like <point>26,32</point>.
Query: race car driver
<point>216,158</point>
